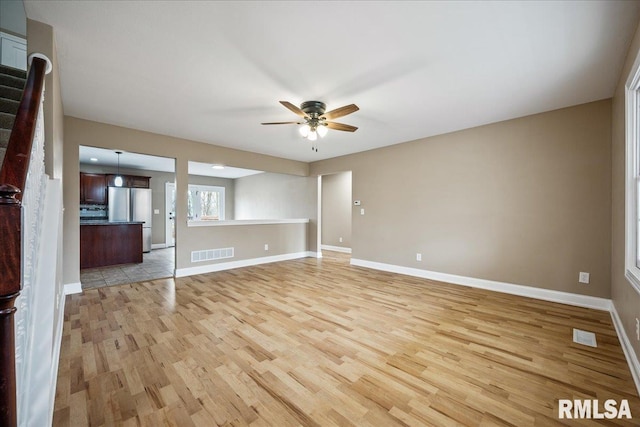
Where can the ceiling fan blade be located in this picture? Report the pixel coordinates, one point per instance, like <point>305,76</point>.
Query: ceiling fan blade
<point>293,108</point>
<point>282,123</point>
<point>342,111</point>
<point>341,126</point>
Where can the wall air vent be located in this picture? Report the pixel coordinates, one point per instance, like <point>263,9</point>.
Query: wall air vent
<point>211,254</point>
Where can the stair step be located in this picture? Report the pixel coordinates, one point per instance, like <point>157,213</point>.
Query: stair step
<point>13,72</point>
<point>9,106</point>
<point>12,81</point>
<point>4,137</point>
<point>6,120</point>
<point>8,92</point>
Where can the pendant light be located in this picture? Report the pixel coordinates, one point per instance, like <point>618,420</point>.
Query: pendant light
<point>118,180</point>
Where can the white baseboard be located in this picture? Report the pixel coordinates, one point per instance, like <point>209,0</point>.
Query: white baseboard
<point>508,288</point>
<point>72,288</point>
<point>627,348</point>
<point>336,249</point>
<point>311,254</point>
<point>210,268</point>
<point>158,246</point>
<point>57,345</point>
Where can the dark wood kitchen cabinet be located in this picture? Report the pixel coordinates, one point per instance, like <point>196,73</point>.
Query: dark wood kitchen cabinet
<point>130,181</point>
<point>105,243</point>
<point>93,189</point>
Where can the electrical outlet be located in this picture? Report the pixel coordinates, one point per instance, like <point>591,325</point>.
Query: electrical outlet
<point>266,246</point>
<point>637,329</point>
<point>418,257</point>
<point>583,277</point>
<point>341,240</point>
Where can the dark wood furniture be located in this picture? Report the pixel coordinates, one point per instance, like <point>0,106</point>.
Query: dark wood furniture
<point>93,189</point>
<point>104,243</point>
<point>130,181</point>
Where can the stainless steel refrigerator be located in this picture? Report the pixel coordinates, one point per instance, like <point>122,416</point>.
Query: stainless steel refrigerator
<point>132,204</point>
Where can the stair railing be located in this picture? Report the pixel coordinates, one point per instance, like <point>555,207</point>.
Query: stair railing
<point>23,166</point>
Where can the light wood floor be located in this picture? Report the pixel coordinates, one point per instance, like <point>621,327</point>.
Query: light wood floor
<point>320,343</point>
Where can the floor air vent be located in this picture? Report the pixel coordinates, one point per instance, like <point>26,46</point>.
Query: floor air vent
<point>584,337</point>
<point>211,254</point>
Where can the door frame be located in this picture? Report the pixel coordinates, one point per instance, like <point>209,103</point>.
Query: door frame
<point>169,237</point>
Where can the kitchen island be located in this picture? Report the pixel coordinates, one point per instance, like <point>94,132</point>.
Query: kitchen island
<point>104,243</point>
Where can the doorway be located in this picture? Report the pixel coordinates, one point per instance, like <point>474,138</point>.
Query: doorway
<point>138,171</point>
<point>335,215</point>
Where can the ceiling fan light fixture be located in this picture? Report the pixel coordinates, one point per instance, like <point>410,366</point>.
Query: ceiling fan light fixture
<point>322,130</point>
<point>316,121</point>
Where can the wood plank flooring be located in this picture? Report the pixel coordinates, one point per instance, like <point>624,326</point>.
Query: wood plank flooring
<point>321,343</point>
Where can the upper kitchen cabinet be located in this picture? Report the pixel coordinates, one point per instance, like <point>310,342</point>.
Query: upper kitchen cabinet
<point>93,189</point>
<point>130,181</point>
<point>138,181</point>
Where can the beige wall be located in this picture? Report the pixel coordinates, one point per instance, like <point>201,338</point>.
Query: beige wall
<point>83,132</point>
<point>279,196</point>
<point>625,298</point>
<point>41,40</point>
<point>274,196</point>
<point>525,201</point>
<point>336,209</point>
<point>248,241</point>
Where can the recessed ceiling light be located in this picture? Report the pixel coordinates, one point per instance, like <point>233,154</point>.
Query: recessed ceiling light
<point>93,159</point>
<point>217,167</point>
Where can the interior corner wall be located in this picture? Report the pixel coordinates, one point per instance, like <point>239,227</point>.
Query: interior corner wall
<point>336,209</point>
<point>625,298</point>
<point>525,201</point>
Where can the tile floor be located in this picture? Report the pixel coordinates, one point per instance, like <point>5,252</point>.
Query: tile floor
<point>157,264</point>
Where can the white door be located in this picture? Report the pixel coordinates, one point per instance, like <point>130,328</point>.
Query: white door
<point>170,212</point>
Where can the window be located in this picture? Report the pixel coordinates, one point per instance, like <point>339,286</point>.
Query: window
<point>205,203</point>
<point>632,183</point>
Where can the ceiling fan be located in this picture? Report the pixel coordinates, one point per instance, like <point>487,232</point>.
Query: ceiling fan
<point>316,121</point>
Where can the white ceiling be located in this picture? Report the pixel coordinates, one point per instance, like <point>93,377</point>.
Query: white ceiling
<point>213,71</point>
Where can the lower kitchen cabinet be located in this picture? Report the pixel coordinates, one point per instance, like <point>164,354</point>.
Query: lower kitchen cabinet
<point>103,244</point>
